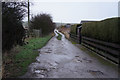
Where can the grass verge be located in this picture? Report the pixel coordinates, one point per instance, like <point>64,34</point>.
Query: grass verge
<point>73,42</point>
<point>59,36</point>
<point>100,59</point>
<point>94,55</point>
<point>25,56</point>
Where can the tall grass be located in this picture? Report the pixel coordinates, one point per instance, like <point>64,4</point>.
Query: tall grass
<point>106,30</point>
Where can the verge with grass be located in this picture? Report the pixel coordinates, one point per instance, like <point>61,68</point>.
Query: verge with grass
<point>94,55</point>
<point>99,58</point>
<point>26,55</point>
<point>59,36</point>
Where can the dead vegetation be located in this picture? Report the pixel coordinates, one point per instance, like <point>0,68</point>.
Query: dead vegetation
<point>65,31</point>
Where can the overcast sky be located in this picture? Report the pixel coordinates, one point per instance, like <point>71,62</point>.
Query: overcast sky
<point>74,12</point>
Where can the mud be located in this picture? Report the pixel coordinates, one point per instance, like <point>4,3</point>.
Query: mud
<point>61,59</point>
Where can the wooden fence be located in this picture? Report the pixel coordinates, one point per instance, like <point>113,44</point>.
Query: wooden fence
<point>110,51</point>
<point>37,33</point>
<point>74,37</point>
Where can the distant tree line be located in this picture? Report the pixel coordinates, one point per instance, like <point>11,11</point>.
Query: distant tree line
<point>12,29</point>
<point>43,22</point>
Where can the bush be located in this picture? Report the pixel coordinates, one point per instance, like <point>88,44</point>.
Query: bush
<point>106,30</point>
<point>43,22</point>
<point>12,29</point>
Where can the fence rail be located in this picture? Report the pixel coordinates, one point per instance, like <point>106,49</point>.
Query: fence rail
<point>111,50</point>
<point>74,38</point>
<point>102,42</point>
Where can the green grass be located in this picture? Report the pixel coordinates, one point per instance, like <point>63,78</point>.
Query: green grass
<point>73,42</point>
<point>100,59</point>
<point>27,55</point>
<point>59,36</point>
<point>94,55</point>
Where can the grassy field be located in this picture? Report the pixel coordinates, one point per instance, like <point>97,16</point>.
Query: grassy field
<point>23,56</point>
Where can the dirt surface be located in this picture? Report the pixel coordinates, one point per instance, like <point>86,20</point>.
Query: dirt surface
<point>62,59</point>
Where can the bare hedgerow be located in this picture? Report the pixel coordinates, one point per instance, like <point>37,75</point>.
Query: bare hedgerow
<point>12,29</point>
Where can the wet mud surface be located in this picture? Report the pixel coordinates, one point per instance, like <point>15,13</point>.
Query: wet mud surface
<point>62,59</point>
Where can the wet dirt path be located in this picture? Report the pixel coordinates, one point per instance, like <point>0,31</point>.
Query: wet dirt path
<point>62,59</point>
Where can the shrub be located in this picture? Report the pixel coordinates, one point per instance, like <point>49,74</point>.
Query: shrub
<point>43,22</point>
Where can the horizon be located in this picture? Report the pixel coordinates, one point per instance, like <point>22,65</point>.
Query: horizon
<point>81,20</point>
<point>74,12</point>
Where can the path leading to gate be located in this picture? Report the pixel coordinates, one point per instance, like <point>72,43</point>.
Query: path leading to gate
<point>62,59</point>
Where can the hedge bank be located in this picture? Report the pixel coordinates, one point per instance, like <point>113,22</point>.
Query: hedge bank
<point>73,29</point>
<point>106,30</point>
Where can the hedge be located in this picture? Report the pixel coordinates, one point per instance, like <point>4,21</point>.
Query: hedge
<point>73,29</point>
<point>105,30</point>
<point>13,32</point>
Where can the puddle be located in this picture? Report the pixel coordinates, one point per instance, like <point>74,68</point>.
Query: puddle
<point>85,58</point>
<point>56,62</point>
<point>64,60</point>
<point>41,76</point>
<point>47,52</point>
<point>50,50</point>
<point>77,60</point>
<point>88,61</point>
<point>95,72</point>
<point>38,71</point>
<point>77,56</point>
<point>53,65</point>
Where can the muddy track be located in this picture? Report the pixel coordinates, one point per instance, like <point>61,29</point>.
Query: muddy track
<point>61,59</point>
